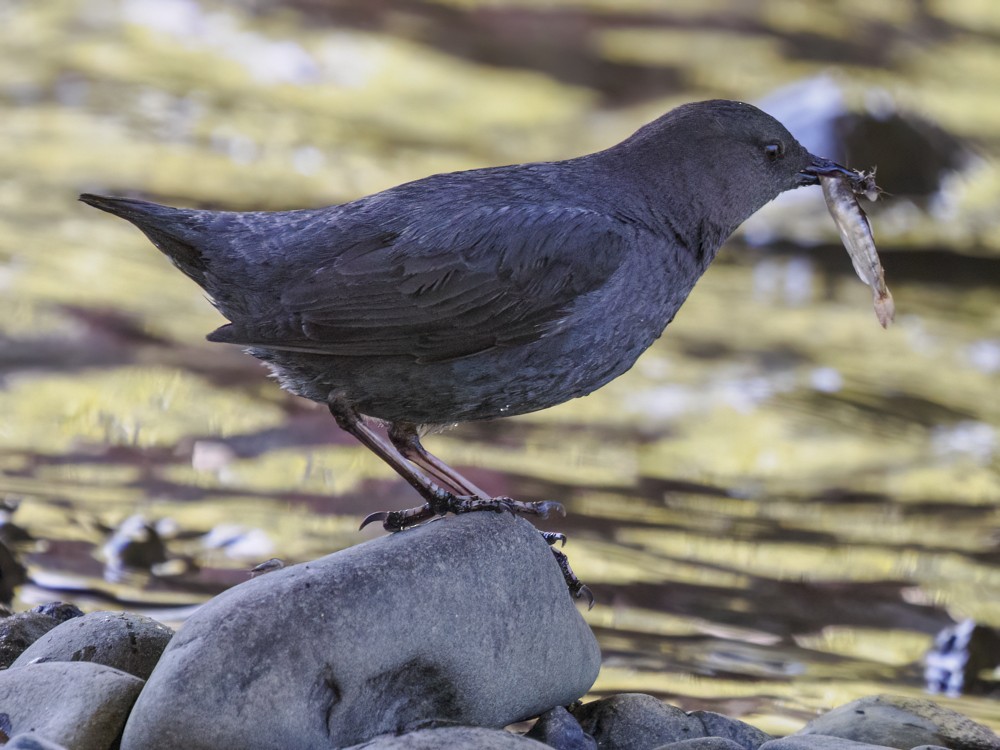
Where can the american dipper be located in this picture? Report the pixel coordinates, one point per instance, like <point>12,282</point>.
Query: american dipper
<point>484,293</point>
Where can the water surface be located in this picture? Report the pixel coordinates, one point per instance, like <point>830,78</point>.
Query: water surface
<point>777,507</point>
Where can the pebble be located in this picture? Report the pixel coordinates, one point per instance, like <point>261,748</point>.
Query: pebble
<point>129,642</point>
<point>19,631</point>
<point>76,704</point>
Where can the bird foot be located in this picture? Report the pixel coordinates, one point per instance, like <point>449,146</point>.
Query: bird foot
<point>444,502</point>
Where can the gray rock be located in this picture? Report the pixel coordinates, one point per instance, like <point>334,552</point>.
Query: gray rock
<point>818,742</point>
<point>453,738</point>
<point>703,743</point>
<point>745,735</point>
<point>900,722</point>
<point>928,747</point>
<point>129,642</point>
<point>558,728</point>
<point>31,741</point>
<point>19,631</point>
<point>466,619</point>
<point>60,611</point>
<point>76,704</point>
<point>633,721</point>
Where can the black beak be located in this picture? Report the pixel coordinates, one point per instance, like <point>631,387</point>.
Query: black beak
<point>820,166</point>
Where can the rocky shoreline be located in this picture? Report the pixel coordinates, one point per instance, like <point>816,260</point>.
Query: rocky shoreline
<point>438,637</point>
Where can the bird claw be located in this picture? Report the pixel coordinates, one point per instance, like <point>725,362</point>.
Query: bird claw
<point>442,502</point>
<point>381,515</point>
<point>584,592</point>
<point>553,537</point>
<point>545,507</point>
<point>391,520</point>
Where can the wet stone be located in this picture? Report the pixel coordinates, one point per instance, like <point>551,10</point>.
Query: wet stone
<point>745,735</point>
<point>560,730</point>
<point>702,743</point>
<point>375,639</point>
<point>634,721</point>
<point>76,704</point>
<point>18,632</point>
<point>819,742</point>
<point>129,642</point>
<point>900,722</point>
<point>453,738</point>
<point>59,611</point>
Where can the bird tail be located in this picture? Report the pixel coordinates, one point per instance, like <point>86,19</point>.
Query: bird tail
<point>174,231</point>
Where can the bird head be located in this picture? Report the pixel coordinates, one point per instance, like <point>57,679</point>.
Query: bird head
<point>722,160</point>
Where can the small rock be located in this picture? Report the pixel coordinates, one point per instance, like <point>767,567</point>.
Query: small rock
<point>703,743</point>
<point>59,611</point>
<point>559,729</point>
<point>633,721</point>
<point>453,738</point>
<point>129,642</point>
<point>31,741</point>
<point>19,631</point>
<point>900,722</point>
<point>76,704</point>
<point>466,619</point>
<point>818,742</point>
<point>745,735</point>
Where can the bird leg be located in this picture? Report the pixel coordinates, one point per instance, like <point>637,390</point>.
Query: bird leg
<point>439,500</point>
<point>407,456</point>
<point>407,441</point>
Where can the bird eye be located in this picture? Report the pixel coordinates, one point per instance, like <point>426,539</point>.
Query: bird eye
<point>774,150</point>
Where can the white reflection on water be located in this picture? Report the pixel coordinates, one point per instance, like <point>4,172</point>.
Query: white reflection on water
<point>984,355</point>
<point>977,440</point>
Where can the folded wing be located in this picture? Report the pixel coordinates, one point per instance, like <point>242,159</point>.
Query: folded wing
<point>439,290</point>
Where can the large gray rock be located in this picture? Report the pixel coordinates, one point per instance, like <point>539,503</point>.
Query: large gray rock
<point>453,738</point>
<point>900,722</point>
<point>76,704</point>
<point>129,642</point>
<point>466,619</point>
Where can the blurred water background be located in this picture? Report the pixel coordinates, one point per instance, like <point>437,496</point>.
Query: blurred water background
<point>777,508</point>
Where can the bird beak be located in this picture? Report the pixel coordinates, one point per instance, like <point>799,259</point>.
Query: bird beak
<point>820,166</point>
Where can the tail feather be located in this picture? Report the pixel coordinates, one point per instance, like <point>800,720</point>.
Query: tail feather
<point>170,229</point>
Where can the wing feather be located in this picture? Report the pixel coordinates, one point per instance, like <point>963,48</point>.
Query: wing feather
<point>478,281</point>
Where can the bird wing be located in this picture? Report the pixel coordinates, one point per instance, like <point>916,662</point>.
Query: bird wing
<point>483,278</point>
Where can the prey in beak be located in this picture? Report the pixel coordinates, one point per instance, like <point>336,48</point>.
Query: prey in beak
<point>841,188</point>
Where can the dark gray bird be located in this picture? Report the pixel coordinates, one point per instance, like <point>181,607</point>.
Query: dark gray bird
<point>485,293</point>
